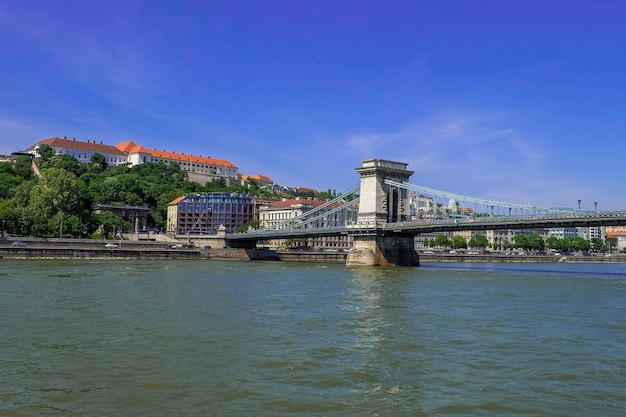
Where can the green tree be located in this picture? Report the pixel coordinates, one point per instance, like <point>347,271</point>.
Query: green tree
<point>75,226</point>
<point>574,244</point>
<point>23,167</point>
<point>33,222</point>
<point>581,244</point>
<point>535,242</point>
<point>8,181</point>
<point>442,241</point>
<point>611,243</point>
<point>459,242</point>
<point>21,193</point>
<point>217,184</point>
<point>57,190</point>
<point>8,217</point>
<point>6,168</point>
<point>37,202</point>
<point>254,224</point>
<point>71,164</point>
<point>176,173</point>
<point>327,195</point>
<point>520,241</point>
<point>46,157</point>
<point>295,243</point>
<point>565,244</point>
<point>553,242</point>
<point>597,245</point>
<point>111,223</point>
<point>254,184</point>
<point>98,163</point>
<point>478,241</point>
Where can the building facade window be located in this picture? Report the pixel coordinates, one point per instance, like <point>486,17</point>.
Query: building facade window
<point>204,213</point>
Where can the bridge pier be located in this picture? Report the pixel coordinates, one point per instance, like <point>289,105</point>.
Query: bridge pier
<point>384,250</point>
<point>381,204</point>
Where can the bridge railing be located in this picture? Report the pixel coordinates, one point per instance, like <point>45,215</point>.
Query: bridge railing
<point>490,203</point>
<point>509,219</point>
<point>334,214</point>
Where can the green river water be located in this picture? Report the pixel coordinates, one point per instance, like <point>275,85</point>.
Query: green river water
<point>235,338</point>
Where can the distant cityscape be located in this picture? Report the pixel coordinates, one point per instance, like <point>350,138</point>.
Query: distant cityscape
<point>200,169</point>
<point>204,214</point>
<point>199,214</point>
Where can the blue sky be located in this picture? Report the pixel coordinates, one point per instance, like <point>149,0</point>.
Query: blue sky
<point>509,100</point>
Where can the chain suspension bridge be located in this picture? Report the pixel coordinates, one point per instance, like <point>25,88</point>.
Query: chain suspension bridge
<point>386,212</point>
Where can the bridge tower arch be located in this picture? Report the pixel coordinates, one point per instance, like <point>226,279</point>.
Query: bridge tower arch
<point>380,204</point>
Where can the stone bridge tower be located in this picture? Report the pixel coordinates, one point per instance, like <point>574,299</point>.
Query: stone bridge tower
<point>380,204</point>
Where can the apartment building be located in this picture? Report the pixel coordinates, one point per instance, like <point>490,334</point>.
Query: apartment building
<point>203,214</point>
<point>563,232</point>
<point>285,209</point>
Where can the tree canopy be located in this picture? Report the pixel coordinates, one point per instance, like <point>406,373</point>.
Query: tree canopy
<point>63,199</point>
<point>478,241</point>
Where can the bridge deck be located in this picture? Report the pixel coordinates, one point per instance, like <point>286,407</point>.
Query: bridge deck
<point>443,225</point>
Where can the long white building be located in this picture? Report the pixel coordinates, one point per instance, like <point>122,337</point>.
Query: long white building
<point>200,169</point>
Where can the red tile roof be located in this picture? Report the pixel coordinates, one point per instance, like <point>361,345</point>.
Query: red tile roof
<point>130,147</point>
<point>289,203</point>
<point>176,201</point>
<point>306,190</point>
<point>259,177</point>
<point>78,145</point>
<point>126,146</point>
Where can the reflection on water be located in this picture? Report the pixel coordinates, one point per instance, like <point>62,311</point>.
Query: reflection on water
<point>387,349</point>
<point>162,338</point>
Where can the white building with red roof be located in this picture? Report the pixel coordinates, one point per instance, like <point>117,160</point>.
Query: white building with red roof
<point>82,151</point>
<point>264,180</point>
<point>201,169</point>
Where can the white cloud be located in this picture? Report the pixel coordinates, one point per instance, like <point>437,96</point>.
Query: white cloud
<point>473,152</point>
<point>453,139</point>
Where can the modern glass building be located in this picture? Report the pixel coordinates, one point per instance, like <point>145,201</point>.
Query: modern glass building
<point>203,213</point>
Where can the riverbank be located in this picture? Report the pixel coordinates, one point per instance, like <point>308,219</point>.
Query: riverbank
<point>91,249</point>
<point>449,257</point>
<point>54,248</point>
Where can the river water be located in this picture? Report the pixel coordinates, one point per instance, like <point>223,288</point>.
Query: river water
<point>233,338</point>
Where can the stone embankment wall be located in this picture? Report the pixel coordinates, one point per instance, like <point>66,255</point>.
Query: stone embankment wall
<point>85,248</point>
<point>445,257</point>
<point>32,248</point>
<point>270,255</point>
<point>88,253</point>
